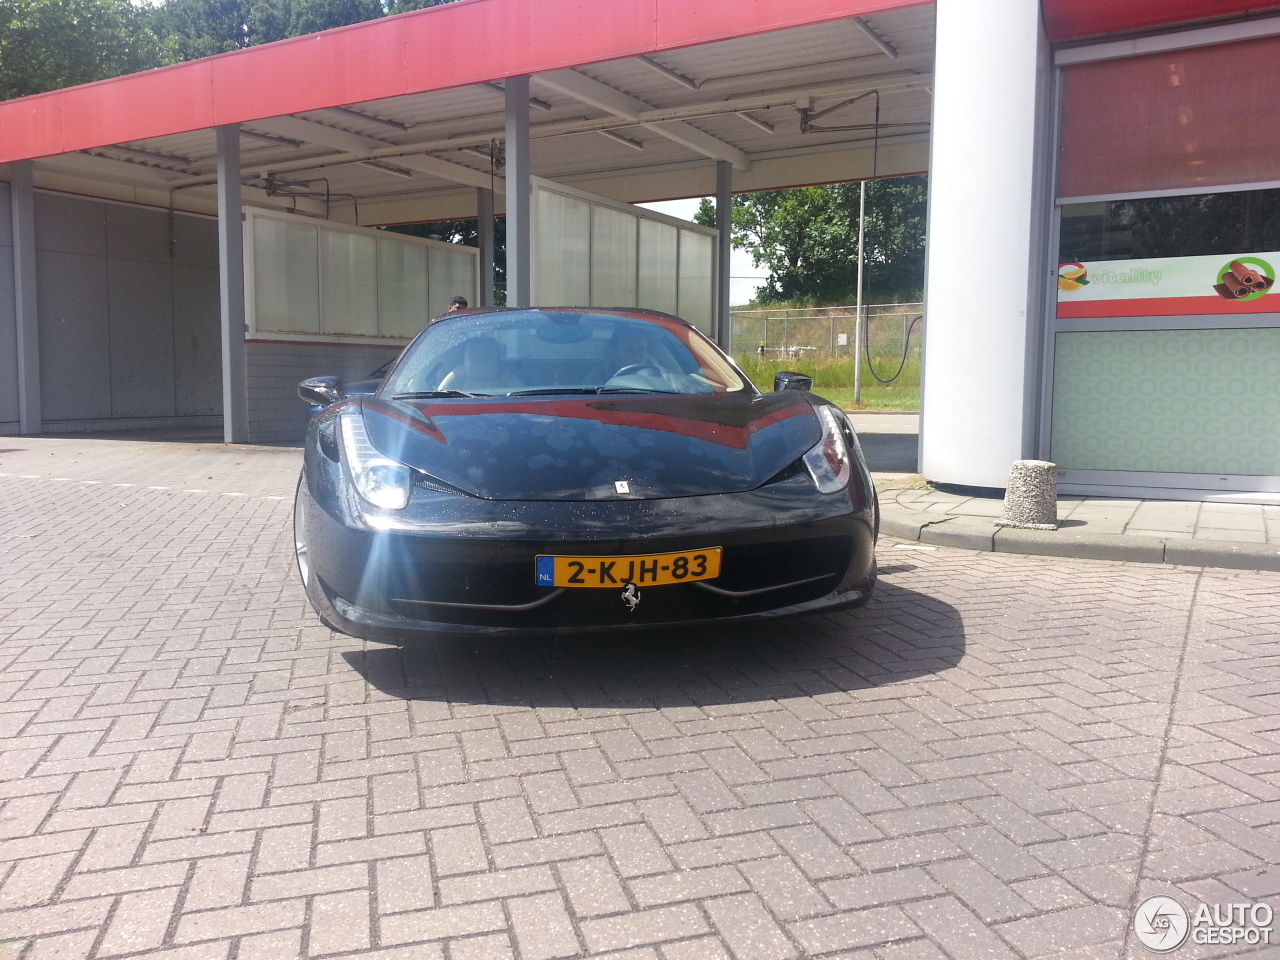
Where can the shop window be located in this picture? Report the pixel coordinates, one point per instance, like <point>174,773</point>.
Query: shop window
<point>1247,221</point>
<point>1183,119</point>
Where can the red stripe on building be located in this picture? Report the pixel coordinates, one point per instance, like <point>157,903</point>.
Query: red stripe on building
<point>432,49</point>
<point>1166,307</point>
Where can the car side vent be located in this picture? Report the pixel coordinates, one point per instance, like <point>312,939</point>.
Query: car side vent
<point>329,441</point>
<point>793,469</point>
<point>439,486</point>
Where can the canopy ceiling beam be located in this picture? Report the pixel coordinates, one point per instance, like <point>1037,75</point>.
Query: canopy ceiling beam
<point>362,147</point>
<point>596,94</point>
<point>888,49</point>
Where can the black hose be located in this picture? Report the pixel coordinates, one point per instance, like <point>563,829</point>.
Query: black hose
<point>906,345</point>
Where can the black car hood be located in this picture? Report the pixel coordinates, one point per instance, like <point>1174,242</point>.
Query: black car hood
<point>577,448</point>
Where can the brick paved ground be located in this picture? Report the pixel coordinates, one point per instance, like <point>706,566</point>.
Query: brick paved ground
<point>998,758</point>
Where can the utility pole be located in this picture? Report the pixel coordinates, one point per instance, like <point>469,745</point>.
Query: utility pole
<point>858,321</point>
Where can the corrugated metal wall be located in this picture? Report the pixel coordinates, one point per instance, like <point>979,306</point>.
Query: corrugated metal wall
<point>8,335</point>
<point>128,316</point>
<point>275,369</point>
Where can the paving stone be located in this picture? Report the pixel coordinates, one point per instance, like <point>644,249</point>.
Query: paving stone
<point>643,927</point>
<point>748,929</point>
<point>194,767</point>
<point>852,929</point>
<point>542,927</point>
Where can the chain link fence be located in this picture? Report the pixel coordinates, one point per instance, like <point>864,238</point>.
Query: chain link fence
<point>821,333</point>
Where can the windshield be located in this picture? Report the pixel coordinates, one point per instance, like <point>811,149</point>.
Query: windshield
<point>531,352</point>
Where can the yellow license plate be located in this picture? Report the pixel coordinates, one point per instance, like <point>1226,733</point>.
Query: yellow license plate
<point>647,570</point>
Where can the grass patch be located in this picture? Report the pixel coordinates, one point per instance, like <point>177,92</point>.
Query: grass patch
<point>833,380</point>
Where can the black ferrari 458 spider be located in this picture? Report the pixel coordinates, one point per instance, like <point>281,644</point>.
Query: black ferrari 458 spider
<point>558,470</point>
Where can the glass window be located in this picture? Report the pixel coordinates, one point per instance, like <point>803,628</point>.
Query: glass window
<point>1241,222</point>
<point>533,352</point>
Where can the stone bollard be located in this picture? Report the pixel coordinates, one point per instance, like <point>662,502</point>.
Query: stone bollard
<point>1031,499</point>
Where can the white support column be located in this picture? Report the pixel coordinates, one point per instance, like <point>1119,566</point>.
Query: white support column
<point>484,227</point>
<point>724,223</point>
<point>22,205</point>
<point>235,403</point>
<point>984,290</point>
<point>519,260</point>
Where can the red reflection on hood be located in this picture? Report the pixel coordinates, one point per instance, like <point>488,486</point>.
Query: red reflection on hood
<point>728,420</point>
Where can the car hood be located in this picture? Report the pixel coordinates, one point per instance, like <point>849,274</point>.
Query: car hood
<point>578,448</point>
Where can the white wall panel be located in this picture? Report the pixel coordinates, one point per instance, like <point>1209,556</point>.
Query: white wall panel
<point>697,280</point>
<point>659,265</point>
<point>348,284</point>
<point>322,281</point>
<point>562,246</point>
<point>453,274</point>
<point>286,272</point>
<point>613,257</point>
<point>591,250</point>
<point>403,305</point>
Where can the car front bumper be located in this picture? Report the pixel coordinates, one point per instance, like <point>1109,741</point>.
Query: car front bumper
<point>453,564</point>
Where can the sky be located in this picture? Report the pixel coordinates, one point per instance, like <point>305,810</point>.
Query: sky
<point>744,277</point>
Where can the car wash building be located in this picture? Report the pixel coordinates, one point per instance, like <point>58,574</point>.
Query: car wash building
<point>180,247</point>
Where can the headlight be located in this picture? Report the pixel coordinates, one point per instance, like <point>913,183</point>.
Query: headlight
<point>379,479</point>
<point>828,460</point>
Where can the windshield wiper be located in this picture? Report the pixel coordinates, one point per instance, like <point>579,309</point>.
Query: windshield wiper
<point>635,390</point>
<point>436,394</point>
<point>563,391</point>
<point>552,391</point>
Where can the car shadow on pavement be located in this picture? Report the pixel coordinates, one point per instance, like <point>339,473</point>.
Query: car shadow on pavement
<point>899,635</point>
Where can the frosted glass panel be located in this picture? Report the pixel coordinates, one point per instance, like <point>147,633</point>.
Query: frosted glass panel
<point>452,275</point>
<point>286,279</point>
<point>1168,401</point>
<point>696,283</point>
<point>348,284</point>
<point>658,246</point>
<point>613,258</point>
<point>402,288</point>
<point>563,249</point>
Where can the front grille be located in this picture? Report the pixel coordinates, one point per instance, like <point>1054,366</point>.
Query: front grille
<point>427,590</point>
<point>759,565</point>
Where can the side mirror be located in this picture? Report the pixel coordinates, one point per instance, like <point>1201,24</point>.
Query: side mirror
<point>321,391</point>
<point>786,380</point>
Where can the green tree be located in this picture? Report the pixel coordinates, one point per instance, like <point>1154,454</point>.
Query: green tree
<point>47,44</point>
<point>200,28</point>
<point>807,237</point>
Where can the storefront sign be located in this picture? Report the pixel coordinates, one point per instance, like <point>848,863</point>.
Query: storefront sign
<point>1169,286</point>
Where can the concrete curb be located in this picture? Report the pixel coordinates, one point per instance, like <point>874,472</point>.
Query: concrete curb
<point>969,534</point>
